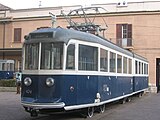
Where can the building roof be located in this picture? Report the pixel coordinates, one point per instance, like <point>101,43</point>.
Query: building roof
<point>3,7</point>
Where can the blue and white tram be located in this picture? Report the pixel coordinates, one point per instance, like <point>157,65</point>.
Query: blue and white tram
<point>65,70</point>
<point>6,69</point>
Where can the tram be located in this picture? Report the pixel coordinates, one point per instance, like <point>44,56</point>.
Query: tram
<point>66,69</point>
<point>6,69</point>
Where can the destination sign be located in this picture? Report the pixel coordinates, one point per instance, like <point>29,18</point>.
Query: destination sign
<point>41,35</point>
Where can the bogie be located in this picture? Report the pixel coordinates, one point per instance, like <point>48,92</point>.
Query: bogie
<point>102,108</point>
<point>90,112</point>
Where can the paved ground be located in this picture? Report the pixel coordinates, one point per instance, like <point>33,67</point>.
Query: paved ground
<point>144,108</point>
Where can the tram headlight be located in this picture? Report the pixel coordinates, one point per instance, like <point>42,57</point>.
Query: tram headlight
<point>49,82</point>
<point>27,81</point>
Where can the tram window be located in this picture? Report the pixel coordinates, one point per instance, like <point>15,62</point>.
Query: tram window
<point>4,66</point>
<point>130,66</point>
<point>144,68</point>
<point>112,62</point>
<point>8,66</point>
<point>103,60</point>
<point>136,67</point>
<point>70,62</point>
<point>119,64</point>
<point>147,69</point>
<point>140,68</point>
<point>31,56</point>
<point>88,58</point>
<point>125,65</point>
<point>0,66</point>
<point>52,56</point>
<point>11,66</point>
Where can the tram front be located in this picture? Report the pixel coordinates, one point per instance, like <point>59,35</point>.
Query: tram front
<point>41,78</point>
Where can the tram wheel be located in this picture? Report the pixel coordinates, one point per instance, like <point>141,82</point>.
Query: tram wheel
<point>90,112</point>
<point>102,108</point>
<point>129,99</point>
<point>140,94</point>
<point>123,101</point>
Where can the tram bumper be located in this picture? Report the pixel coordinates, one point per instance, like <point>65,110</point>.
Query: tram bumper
<point>38,106</point>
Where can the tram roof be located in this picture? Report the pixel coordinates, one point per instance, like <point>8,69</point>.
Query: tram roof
<point>64,35</point>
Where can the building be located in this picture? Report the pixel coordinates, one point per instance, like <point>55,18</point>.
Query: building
<point>134,26</point>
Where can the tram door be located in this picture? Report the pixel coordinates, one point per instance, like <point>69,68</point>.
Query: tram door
<point>158,74</point>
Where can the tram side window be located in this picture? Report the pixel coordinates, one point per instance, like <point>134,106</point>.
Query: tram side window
<point>0,66</point>
<point>119,64</point>
<point>145,68</point>
<point>11,66</point>
<point>103,60</point>
<point>125,65</point>
<point>88,58</point>
<point>7,66</point>
<point>70,62</point>
<point>130,66</point>
<point>136,67</point>
<point>140,68</point>
<point>112,62</point>
<point>4,66</point>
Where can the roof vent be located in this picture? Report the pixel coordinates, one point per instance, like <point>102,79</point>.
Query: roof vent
<point>122,4</point>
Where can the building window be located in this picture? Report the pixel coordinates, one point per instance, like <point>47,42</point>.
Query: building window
<point>88,58</point>
<point>124,35</point>
<point>17,34</point>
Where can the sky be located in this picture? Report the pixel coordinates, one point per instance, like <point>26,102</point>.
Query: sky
<point>24,4</point>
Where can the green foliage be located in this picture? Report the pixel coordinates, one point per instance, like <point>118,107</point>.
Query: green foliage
<point>8,83</point>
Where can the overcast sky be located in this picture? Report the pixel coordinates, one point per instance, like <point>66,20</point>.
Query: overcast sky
<point>23,4</point>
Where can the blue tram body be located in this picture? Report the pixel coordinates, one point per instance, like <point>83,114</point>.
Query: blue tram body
<point>49,81</point>
<point>6,69</point>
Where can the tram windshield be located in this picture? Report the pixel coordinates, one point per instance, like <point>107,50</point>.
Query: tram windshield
<point>31,56</point>
<point>51,56</point>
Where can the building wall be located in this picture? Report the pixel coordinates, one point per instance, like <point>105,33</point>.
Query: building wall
<point>27,26</point>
